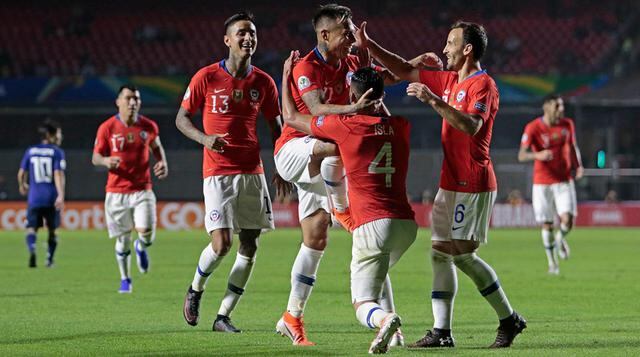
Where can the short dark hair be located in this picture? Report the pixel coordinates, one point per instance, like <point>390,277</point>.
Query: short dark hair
<point>550,97</point>
<point>241,16</point>
<point>128,86</point>
<point>475,35</point>
<point>366,78</point>
<point>48,128</point>
<point>331,11</point>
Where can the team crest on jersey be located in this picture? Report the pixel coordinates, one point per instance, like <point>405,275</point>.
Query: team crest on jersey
<point>187,94</point>
<point>237,95</point>
<point>254,94</point>
<point>144,135</point>
<point>460,96</point>
<point>130,137</point>
<point>303,83</point>
<point>214,215</point>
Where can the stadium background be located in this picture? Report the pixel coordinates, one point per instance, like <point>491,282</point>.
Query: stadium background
<point>66,59</point>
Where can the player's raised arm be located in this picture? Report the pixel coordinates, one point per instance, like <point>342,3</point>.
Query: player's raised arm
<point>161,167</point>
<point>290,114</point>
<point>400,67</point>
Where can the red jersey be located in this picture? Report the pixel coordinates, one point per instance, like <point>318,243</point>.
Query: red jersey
<point>467,165</point>
<point>131,145</point>
<point>231,105</point>
<point>313,72</point>
<point>560,139</point>
<point>375,153</point>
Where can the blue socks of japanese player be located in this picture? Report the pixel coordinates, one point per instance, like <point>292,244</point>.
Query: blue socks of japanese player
<point>444,288</point>
<point>303,276</point>
<point>332,172</point>
<point>486,281</point>
<point>31,242</point>
<point>208,262</point>
<point>238,278</point>
<point>52,244</point>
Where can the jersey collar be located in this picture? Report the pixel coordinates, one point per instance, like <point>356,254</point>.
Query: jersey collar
<point>477,73</point>
<point>122,121</point>
<point>223,65</point>
<point>323,60</point>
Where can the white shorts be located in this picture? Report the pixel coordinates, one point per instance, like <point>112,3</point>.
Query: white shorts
<point>461,215</point>
<point>237,202</point>
<point>377,246</point>
<point>126,211</point>
<point>554,199</point>
<point>292,163</point>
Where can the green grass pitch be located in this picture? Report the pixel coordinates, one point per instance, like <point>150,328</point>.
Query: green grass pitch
<point>592,308</point>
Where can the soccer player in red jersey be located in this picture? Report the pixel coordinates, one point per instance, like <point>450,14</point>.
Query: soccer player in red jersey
<point>122,145</point>
<point>467,98</point>
<point>550,141</point>
<point>230,94</point>
<point>374,147</point>
<point>320,85</point>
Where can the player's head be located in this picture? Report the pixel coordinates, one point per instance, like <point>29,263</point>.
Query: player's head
<point>364,79</point>
<point>50,132</point>
<point>240,34</point>
<point>466,40</point>
<point>128,101</point>
<point>335,30</point>
<point>553,107</point>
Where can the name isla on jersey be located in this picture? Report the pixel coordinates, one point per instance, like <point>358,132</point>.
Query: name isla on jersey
<point>383,129</point>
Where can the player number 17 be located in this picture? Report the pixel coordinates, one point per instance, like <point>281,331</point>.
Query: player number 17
<point>377,167</point>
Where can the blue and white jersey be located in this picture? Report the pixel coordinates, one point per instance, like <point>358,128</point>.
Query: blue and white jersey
<point>40,161</point>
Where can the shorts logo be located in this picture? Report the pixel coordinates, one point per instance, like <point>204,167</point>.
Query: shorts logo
<point>320,121</point>
<point>303,83</point>
<point>144,135</point>
<point>254,94</point>
<point>187,94</point>
<point>460,96</point>
<point>237,95</point>
<point>349,75</point>
<point>214,216</point>
<point>130,137</point>
<point>481,107</point>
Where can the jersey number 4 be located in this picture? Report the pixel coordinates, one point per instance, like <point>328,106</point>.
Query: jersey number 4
<point>378,167</point>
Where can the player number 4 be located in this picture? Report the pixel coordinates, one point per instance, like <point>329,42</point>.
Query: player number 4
<point>387,169</point>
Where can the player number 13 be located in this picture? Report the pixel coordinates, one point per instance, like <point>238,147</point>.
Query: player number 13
<point>377,167</point>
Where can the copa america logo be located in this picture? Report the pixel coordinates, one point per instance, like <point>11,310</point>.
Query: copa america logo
<point>214,215</point>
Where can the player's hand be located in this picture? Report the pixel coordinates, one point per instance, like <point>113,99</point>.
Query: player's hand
<point>366,102</point>
<point>544,155</point>
<point>362,38</point>
<point>283,188</point>
<point>579,172</point>
<point>430,60</point>
<point>59,204</point>
<point>112,162</point>
<point>364,57</point>
<point>23,188</point>
<point>215,142</point>
<point>289,63</point>
<point>422,92</point>
<point>161,169</point>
